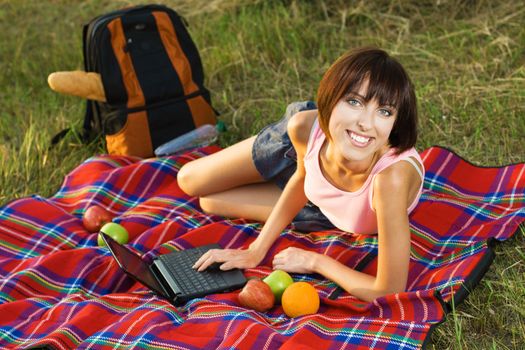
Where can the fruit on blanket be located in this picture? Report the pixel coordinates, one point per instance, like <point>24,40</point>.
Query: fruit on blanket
<point>278,281</point>
<point>115,231</point>
<point>257,295</point>
<point>95,217</point>
<point>299,299</point>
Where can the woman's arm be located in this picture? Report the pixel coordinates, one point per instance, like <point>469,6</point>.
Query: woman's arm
<point>289,204</point>
<point>293,198</point>
<point>291,201</point>
<point>390,200</point>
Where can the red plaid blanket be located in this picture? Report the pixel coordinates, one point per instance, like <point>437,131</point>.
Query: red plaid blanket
<point>60,290</point>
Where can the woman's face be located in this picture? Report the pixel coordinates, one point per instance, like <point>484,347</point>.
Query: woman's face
<point>361,129</point>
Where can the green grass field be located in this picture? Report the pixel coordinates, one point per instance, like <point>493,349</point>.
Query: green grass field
<point>466,59</point>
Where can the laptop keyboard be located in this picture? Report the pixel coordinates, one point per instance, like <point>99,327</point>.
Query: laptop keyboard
<point>188,279</point>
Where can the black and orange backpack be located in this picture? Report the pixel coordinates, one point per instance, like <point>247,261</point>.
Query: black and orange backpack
<point>152,77</point>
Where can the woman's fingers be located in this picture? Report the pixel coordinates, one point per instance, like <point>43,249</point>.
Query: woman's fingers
<point>293,260</point>
<point>278,263</point>
<point>230,258</point>
<point>203,261</point>
<point>205,264</point>
<point>233,264</point>
<point>212,256</point>
<point>281,257</point>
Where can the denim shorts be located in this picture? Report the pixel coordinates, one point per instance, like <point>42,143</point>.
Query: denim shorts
<point>276,160</point>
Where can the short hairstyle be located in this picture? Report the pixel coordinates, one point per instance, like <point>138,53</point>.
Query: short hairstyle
<point>388,82</point>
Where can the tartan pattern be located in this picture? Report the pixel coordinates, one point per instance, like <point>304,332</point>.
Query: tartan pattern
<point>59,289</point>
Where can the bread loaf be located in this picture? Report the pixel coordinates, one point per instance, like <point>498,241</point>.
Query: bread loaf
<point>78,83</point>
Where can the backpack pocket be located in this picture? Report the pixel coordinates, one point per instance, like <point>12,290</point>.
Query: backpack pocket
<point>138,131</point>
<point>132,138</point>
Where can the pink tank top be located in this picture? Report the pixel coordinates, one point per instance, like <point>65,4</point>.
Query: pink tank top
<point>348,211</point>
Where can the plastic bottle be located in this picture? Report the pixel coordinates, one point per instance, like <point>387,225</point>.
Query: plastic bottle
<point>199,137</point>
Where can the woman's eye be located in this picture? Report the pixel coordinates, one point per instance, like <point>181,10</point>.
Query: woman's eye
<point>354,102</point>
<point>385,112</point>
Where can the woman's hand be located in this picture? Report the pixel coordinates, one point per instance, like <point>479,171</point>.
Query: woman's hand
<point>295,260</point>
<point>229,259</point>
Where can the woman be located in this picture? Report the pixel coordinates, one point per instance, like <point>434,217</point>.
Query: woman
<point>353,157</point>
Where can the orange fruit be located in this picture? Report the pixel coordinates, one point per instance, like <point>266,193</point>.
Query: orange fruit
<point>299,299</point>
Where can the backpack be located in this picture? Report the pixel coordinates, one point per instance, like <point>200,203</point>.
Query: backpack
<point>152,76</point>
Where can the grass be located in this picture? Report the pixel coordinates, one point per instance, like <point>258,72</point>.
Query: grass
<point>466,59</point>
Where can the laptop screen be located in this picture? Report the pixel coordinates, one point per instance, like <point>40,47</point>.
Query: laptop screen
<point>133,265</point>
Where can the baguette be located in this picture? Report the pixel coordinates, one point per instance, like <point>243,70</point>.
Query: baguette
<point>78,83</point>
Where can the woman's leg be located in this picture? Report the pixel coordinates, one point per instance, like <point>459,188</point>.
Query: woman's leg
<point>228,183</point>
<point>253,201</point>
<point>228,168</point>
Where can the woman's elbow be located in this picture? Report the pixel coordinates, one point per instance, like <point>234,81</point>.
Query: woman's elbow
<point>392,288</point>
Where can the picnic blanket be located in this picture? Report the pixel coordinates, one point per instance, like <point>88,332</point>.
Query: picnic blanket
<point>60,290</point>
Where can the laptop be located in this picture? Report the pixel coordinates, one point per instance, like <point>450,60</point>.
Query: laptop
<point>171,275</point>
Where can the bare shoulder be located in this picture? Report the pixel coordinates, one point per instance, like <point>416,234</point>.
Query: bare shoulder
<point>299,127</point>
<point>396,174</point>
<point>396,185</point>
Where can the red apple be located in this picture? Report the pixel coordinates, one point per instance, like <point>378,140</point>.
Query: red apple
<point>95,217</point>
<point>257,295</point>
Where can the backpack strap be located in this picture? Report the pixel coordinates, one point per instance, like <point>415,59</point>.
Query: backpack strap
<point>87,126</point>
<point>88,116</point>
<point>58,136</point>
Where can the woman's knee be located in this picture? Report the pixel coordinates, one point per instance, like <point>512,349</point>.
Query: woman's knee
<point>214,206</point>
<point>208,206</point>
<point>217,172</point>
<point>186,178</point>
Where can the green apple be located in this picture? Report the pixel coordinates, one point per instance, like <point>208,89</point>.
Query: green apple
<point>115,231</point>
<point>278,281</point>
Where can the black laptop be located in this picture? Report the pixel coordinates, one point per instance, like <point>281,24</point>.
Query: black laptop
<point>171,275</point>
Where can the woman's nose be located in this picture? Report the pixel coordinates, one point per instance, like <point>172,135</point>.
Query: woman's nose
<point>366,119</point>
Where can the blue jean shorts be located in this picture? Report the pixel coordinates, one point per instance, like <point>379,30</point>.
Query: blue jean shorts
<point>276,160</point>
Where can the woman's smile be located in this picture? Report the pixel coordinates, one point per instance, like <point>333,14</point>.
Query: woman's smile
<point>359,140</point>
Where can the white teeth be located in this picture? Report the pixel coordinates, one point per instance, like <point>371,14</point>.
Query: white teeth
<point>358,138</point>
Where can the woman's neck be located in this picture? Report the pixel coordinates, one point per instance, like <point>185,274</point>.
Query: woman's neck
<point>348,167</point>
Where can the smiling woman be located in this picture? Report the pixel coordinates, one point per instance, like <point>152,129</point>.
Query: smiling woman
<point>351,165</point>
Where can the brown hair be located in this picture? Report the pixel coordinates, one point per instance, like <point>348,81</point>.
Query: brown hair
<point>388,82</point>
